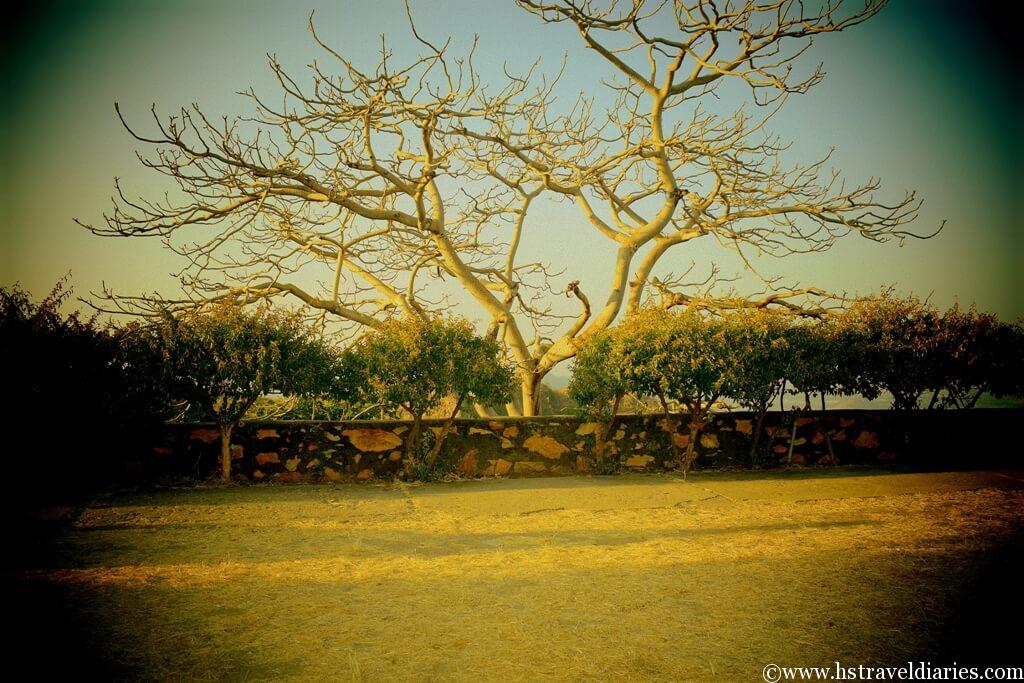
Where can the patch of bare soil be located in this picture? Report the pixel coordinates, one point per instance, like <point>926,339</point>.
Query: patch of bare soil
<point>625,578</point>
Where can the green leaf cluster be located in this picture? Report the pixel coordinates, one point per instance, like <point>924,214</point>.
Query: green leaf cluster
<point>910,349</point>
<point>413,365</point>
<point>221,360</point>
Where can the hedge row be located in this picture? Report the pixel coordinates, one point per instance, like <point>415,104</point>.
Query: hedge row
<point>750,357</point>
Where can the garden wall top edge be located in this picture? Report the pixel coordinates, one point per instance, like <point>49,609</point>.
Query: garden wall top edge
<point>569,417</point>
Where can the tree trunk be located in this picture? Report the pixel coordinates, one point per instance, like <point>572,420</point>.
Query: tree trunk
<point>413,439</point>
<point>792,432</point>
<point>670,425</point>
<point>757,432</point>
<point>435,450</point>
<point>603,430</point>
<point>482,410</point>
<point>823,422</point>
<point>696,424</point>
<point>531,395</point>
<point>225,450</point>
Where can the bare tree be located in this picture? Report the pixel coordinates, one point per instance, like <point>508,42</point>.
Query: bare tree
<point>392,185</point>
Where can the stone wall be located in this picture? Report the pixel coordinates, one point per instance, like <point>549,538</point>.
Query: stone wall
<point>562,445</point>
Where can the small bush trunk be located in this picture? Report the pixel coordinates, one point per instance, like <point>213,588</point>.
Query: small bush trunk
<point>225,451</point>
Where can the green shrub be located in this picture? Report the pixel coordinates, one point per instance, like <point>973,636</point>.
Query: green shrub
<point>597,386</point>
<point>222,360</point>
<point>979,354</point>
<point>677,357</point>
<point>760,354</point>
<point>900,340</point>
<point>413,365</point>
<point>911,350</point>
<point>88,394</point>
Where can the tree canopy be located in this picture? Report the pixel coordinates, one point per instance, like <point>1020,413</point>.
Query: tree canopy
<point>396,186</point>
<point>411,365</point>
<point>746,356</point>
<point>910,349</point>
<point>221,360</point>
<point>90,392</point>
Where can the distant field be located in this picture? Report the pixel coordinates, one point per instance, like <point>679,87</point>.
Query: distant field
<point>624,578</point>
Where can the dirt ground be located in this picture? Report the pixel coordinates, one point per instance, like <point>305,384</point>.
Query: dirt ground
<point>582,578</point>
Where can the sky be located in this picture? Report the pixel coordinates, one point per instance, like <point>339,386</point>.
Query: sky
<point>926,96</point>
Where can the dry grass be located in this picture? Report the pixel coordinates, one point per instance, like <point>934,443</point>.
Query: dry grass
<point>631,578</point>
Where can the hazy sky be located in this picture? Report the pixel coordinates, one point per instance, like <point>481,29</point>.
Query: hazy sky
<point>924,96</point>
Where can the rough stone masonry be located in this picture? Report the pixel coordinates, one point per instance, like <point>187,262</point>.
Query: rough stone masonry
<point>562,445</point>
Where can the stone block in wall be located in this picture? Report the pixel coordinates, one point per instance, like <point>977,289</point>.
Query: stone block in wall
<point>639,461</point>
<point>206,435</point>
<point>529,467</point>
<point>499,467</point>
<point>545,446</point>
<point>467,465</point>
<point>373,439</point>
<point>867,440</point>
<point>264,458</point>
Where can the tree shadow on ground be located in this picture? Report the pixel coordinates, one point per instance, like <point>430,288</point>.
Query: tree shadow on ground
<point>668,622</point>
<point>128,545</point>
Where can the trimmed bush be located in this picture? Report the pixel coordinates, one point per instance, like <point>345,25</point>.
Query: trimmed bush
<point>88,392</point>
<point>413,365</point>
<point>220,361</point>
